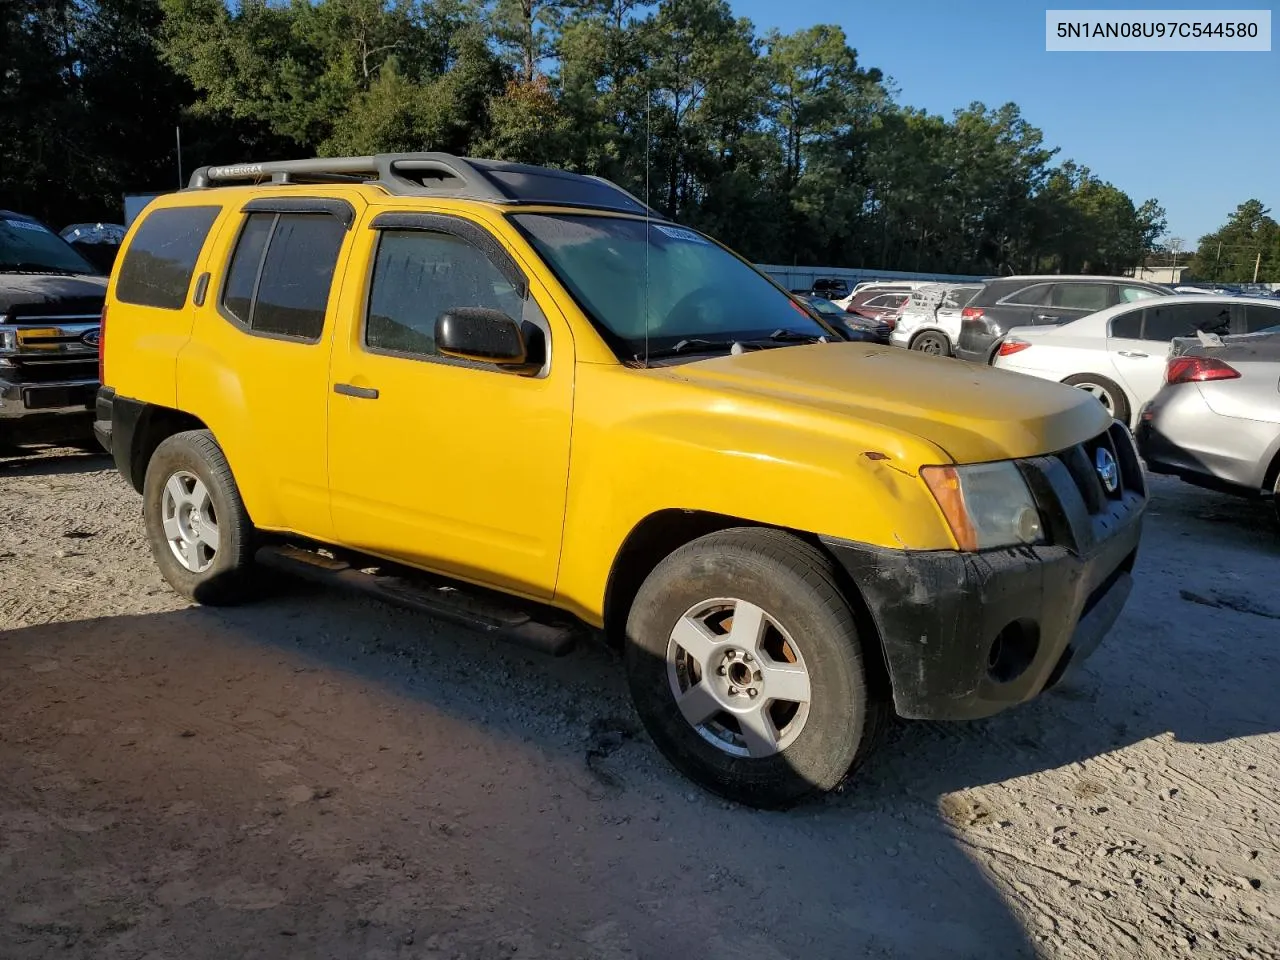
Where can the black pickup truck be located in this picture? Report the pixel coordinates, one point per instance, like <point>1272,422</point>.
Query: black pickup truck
<point>50,312</point>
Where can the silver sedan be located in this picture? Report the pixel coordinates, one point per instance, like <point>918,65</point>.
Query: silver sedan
<point>1216,421</point>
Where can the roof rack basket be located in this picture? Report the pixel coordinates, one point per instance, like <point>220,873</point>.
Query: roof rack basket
<point>437,175</point>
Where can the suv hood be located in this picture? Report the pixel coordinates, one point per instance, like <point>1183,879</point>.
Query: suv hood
<point>973,413</point>
<point>47,294</point>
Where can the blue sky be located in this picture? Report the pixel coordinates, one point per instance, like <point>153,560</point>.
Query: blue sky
<point>1200,132</point>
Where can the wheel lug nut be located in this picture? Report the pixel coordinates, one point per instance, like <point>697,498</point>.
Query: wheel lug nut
<point>752,692</point>
<point>757,676</point>
<point>746,657</point>
<point>721,670</point>
<point>733,691</point>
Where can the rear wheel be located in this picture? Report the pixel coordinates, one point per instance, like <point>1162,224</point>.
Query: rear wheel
<point>1107,392</point>
<point>197,525</point>
<point>745,667</point>
<point>932,342</point>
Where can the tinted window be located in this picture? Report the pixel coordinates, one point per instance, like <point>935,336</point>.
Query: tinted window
<point>1031,295</point>
<point>243,272</point>
<point>1258,317</point>
<point>1128,325</point>
<point>884,300</point>
<point>1081,296</point>
<point>1131,294</point>
<point>1163,323</point>
<point>158,264</point>
<point>26,244</point>
<point>417,276</point>
<point>297,274</point>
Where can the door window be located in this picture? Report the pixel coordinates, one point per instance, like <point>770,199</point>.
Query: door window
<point>1133,294</point>
<point>418,275</point>
<point>1162,323</point>
<point>281,272</point>
<point>1081,296</point>
<point>1259,317</point>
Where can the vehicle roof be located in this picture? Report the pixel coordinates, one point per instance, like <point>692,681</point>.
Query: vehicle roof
<point>14,215</point>
<point>433,175</point>
<point>1052,277</point>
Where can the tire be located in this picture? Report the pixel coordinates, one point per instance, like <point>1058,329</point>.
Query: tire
<point>815,745</point>
<point>188,470</point>
<point>1107,391</point>
<point>932,342</point>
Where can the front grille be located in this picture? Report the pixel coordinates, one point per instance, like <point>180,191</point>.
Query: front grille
<point>53,371</point>
<point>1086,468</point>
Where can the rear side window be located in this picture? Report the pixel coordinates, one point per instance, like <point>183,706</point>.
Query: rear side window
<point>281,272</point>
<point>1081,296</point>
<point>157,266</point>
<point>1031,296</point>
<point>1130,294</point>
<point>1128,325</point>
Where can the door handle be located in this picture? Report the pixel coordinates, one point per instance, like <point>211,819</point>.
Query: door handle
<point>350,390</point>
<point>1132,353</point>
<point>1045,317</point>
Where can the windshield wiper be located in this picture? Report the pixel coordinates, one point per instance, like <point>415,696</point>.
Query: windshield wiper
<point>782,335</point>
<point>690,345</point>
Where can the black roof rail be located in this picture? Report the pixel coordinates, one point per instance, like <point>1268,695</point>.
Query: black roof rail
<point>437,175</point>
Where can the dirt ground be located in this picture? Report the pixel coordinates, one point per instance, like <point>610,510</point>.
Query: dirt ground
<point>321,776</point>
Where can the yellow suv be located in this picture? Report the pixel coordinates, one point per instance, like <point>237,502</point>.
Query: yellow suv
<point>519,398</point>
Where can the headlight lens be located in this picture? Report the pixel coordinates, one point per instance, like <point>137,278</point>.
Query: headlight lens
<point>986,504</point>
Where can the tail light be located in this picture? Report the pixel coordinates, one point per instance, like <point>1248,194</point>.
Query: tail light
<point>971,313</point>
<point>1198,370</point>
<point>102,345</point>
<point>1011,346</point>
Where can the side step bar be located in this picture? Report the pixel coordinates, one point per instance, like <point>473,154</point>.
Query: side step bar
<point>432,595</point>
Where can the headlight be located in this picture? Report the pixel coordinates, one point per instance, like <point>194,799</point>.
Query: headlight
<point>986,504</point>
<point>8,341</point>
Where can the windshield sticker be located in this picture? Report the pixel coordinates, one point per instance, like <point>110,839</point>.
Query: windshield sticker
<point>675,233</point>
<point>26,225</point>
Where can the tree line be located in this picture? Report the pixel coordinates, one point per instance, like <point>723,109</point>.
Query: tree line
<point>785,146</point>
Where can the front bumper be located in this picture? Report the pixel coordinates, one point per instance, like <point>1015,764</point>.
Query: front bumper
<point>966,635</point>
<point>19,399</point>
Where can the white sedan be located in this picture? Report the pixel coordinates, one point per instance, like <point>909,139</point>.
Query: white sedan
<point>1119,354</point>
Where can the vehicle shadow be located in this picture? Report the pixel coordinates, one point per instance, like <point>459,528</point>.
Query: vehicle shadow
<point>362,778</point>
<point>52,461</point>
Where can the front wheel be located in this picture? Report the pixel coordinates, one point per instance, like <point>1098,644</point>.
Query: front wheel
<point>1106,391</point>
<point>932,343</point>
<point>746,668</point>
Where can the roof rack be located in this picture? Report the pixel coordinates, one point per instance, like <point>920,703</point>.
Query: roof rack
<point>437,175</point>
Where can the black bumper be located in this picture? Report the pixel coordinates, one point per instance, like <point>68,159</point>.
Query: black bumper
<point>966,635</point>
<point>116,426</point>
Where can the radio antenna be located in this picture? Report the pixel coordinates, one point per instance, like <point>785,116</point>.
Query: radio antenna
<point>648,140</point>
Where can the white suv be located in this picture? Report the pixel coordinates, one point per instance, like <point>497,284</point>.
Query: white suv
<point>930,320</point>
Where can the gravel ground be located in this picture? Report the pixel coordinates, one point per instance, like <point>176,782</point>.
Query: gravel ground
<point>322,776</point>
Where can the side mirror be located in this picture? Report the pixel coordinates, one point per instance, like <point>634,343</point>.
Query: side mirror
<point>483,335</point>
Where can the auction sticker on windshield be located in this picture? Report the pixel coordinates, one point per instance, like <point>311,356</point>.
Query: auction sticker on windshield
<point>675,233</point>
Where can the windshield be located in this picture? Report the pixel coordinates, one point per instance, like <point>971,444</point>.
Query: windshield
<point>674,286</point>
<point>31,247</point>
<point>825,307</point>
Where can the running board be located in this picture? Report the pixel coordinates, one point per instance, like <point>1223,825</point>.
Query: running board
<point>432,595</point>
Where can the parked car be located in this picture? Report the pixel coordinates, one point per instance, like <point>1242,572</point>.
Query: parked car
<point>930,319</point>
<point>96,242</point>
<point>50,307</point>
<point>1118,354</point>
<point>1216,421</point>
<point>868,288</point>
<point>878,305</point>
<point>529,407</point>
<point>1039,301</point>
<point>850,325</point>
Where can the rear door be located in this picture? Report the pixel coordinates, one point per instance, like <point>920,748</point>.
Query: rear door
<point>1139,350</point>
<point>1071,299</point>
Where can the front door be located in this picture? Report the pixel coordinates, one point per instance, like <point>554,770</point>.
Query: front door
<point>450,465</point>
